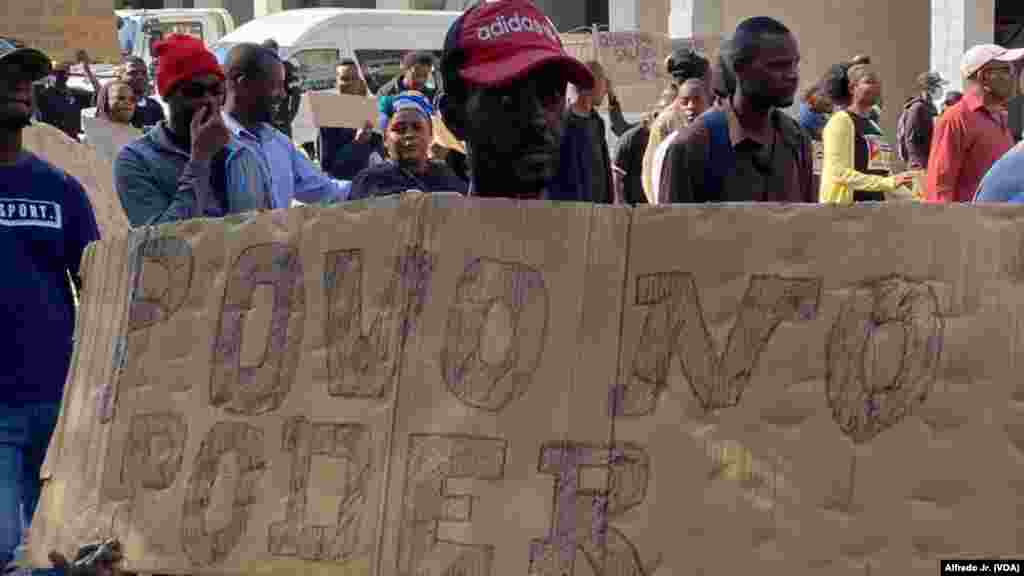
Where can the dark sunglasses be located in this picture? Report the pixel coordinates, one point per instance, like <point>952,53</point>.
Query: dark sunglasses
<point>194,90</point>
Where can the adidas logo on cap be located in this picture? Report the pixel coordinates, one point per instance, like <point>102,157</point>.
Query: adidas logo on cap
<point>515,23</point>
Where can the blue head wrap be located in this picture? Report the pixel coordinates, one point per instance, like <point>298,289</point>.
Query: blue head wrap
<point>412,100</point>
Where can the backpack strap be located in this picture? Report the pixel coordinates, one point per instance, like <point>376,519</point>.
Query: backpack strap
<point>721,158</point>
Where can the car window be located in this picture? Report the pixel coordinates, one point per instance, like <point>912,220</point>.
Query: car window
<point>316,67</point>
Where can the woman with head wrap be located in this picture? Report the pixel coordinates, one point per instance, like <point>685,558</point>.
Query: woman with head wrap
<point>855,167</point>
<point>407,136</point>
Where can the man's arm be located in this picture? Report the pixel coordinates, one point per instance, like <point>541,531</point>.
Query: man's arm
<point>619,124</point>
<point>248,188</point>
<point>806,177</point>
<point>140,197</point>
<point>944,160</point>
<point>312,185</point>
<point>86,61</point>
<point>194,197</point>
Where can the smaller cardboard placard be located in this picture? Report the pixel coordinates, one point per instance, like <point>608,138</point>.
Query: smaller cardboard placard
<point>92,170</point>
<point>330,109</point>
<point>108,137</point>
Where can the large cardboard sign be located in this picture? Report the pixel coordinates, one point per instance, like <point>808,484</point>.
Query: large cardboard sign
<point>92,169</point>
<point>440,385</point>
<point>61,28</point>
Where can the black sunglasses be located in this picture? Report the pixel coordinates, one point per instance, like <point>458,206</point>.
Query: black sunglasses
<point>194,90</point>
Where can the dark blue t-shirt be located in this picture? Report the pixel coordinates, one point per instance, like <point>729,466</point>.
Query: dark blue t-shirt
<point>46,221</point>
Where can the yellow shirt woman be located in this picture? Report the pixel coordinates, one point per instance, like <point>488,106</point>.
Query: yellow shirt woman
<point>839,178</point>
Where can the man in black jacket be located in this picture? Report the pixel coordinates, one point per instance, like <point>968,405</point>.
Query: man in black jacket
<point>585,170</point>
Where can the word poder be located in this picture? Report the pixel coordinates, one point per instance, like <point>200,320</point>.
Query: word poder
<point>442,385</point>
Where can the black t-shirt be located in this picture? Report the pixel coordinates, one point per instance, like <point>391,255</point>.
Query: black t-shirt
<point>629,157</point>
<point>148,113</point>
<point>599,182</point>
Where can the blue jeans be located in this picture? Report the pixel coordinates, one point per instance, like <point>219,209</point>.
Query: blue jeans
<point>24,437</point>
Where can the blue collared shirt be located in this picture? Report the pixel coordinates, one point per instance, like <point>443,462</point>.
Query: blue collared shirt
<point>292,175</point>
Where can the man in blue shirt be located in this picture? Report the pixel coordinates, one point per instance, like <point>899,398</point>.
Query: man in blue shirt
<point>256,82</point>
<point>46,221</point>
<point>1004,181</point>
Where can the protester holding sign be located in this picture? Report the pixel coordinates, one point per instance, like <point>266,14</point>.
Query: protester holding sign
<point>857,162</point>
<point>59,106</point>
<point>346,151</point>
<point>46,221</point>
<point>505,95</point>
<point>408,138</point>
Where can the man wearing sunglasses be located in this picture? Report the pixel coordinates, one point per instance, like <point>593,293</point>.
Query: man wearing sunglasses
<point>147,171</point>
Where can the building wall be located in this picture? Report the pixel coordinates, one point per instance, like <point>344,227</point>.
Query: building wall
<point>896,35</point>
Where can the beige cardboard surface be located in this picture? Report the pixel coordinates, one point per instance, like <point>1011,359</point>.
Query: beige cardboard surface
<point>438,385</point>
<point>108,137</point>
<point>61,28</point>
<point>93,170</point>
<point>328,108</point>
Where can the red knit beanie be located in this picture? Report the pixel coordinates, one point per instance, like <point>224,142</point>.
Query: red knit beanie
<point>182,57</point>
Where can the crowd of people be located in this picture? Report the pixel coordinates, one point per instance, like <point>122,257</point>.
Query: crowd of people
<point>514,116</point>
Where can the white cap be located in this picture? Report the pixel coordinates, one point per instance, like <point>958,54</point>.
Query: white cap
<point>976,58</point>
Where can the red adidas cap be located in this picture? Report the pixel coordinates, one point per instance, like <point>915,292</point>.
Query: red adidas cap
<point>502,40</point>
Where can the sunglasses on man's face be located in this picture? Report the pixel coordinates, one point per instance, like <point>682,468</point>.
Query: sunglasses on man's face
<point>193,90</point>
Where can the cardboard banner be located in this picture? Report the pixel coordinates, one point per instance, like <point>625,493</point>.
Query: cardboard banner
<point>635,61</point>
<point>93,170</point>
<point>330,109</point>
<point>61,28</point>
<point>108,137</point>
<point>441,385</point>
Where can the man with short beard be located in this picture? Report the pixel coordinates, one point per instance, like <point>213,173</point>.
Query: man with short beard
<point>147,171</point>
<point>974,133</point>
<point>504,95</point>
<point>585,168</point>
<point>747,149</point>
<point>148,112</point>
<point>256,82</point>
<point>46,221</point>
